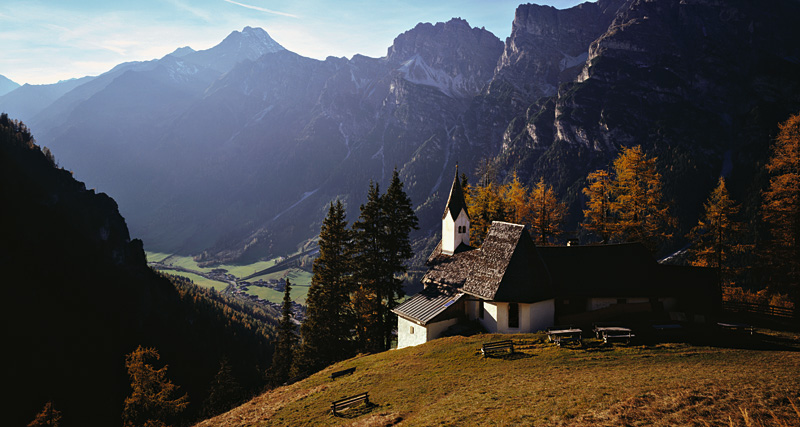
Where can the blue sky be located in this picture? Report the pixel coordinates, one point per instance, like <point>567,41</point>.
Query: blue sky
<point>44,41</point>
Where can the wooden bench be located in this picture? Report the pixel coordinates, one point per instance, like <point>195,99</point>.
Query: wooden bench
<point>342,373</point>
<point>618,337</point>
<point>496,347</point>
<point>349,401</point>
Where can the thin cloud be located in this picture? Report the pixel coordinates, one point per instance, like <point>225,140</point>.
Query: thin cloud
<point>261,9</point>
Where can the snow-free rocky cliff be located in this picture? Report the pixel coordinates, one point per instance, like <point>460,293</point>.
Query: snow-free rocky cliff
<point>236,151</point>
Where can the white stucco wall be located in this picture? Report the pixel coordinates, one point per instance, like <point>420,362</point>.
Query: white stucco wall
<point>435,330</point>
<point>421,334</point>
<point>598,303</point>
<point>532,317</point>
<point>451,238</point>
<point>404,336</point>
<point>490,320</point>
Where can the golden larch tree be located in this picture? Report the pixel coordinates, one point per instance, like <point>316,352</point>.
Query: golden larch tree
<point>153,401</point>
<point>717,236</point>
<point>781,211</point>
<point>517,205</point>
<point>642,214</point>
<point>598,217</point>
<point>547,213</point>
<point>49,417</point>
<point>485,204</point>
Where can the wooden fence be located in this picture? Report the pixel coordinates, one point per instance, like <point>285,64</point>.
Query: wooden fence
<point>762,309</point>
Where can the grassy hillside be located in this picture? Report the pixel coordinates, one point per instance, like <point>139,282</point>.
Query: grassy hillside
<point>446,382</point>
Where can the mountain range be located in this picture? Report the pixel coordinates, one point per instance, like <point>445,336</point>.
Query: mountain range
<point>7,85</point>
<point>233,153</point>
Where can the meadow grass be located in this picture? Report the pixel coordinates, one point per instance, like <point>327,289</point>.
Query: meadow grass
<point>447,382</point>
<point>300,279</point>
<point>200,280</point>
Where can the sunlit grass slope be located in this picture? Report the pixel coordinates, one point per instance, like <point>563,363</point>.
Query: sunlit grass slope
<point>445,382</point>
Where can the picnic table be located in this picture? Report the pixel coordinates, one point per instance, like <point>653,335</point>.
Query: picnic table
<point>614,333</point>
<point>564,335</point>
<point>601,331</point>
<point>737,327</point>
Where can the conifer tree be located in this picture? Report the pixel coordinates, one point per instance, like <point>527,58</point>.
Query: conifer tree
<point>326,331</point>
<point>49,417</point>
<point>717,235</point>
<point>286,342</point>
<point>546,213</point>
<point>597,215</point>
<point>371,272</point>
<point>781,211</point>
<point>642,215</point>
<point>224,393</point>
<point>152,402</point>
<point>400,221</point>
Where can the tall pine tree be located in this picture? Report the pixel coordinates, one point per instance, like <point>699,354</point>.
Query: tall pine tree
<point>326,331</point>
<point>286,343</point>
<point>400,221</point>
<point>370,272</point>
<point>224,393</point>
<point>381,248</point>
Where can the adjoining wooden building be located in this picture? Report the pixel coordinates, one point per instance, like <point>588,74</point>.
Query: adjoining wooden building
<point>510,285</point>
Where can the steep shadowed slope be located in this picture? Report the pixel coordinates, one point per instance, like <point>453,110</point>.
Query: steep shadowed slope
<point>79,296</point>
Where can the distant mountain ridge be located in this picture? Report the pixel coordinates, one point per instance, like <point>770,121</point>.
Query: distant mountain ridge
<point>235,151</point>
<point>7,85</point>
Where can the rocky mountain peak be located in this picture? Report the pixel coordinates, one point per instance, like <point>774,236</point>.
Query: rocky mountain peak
<point>549,46</point>
<point>452,56</point>
<point>250,42</point>
<point>182,51</point>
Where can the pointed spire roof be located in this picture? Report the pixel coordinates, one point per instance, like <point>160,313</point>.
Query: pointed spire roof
<point>456,201</point>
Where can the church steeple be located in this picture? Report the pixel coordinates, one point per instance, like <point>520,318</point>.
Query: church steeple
<point>455,220</point>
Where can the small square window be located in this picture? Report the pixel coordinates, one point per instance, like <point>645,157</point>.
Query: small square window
<point>411,330</point>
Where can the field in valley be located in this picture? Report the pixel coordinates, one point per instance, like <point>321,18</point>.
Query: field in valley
<point>185,266</point>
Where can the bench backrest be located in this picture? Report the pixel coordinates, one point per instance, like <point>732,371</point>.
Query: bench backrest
<point>498,344</point>
<point>350,400</point>
<point>342,373</point>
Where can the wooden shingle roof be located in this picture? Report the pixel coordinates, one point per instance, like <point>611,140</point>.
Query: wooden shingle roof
<point>505,268</point>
